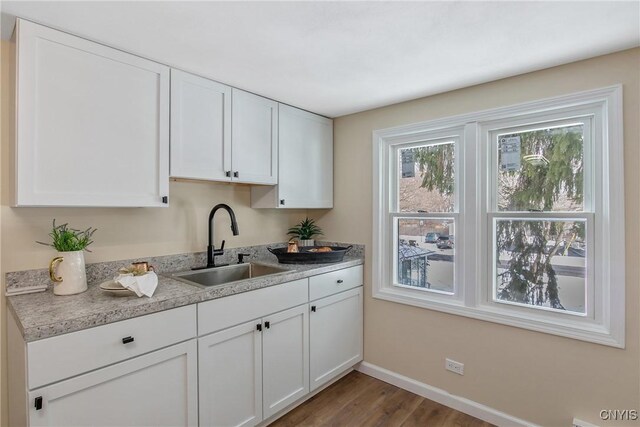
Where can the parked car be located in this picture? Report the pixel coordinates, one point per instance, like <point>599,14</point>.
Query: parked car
<point>444,242</point>
<point>431,238</point>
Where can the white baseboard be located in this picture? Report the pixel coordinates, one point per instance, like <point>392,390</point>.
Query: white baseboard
<point>458,403</point>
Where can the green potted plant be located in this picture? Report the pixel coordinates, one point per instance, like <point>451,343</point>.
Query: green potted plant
<point>67,270</point>
<point>305,231</point>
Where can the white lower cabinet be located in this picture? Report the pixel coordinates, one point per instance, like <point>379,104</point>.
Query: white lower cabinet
<point>230,363</point>
<point>235,361</point>
<point>251,371</point>
<point>285,358</point>
<point>157,389</point>
<point>335,335</point>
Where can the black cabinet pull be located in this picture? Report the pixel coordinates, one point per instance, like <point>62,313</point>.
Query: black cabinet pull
<point>340,280</point>
<point>38,403</point>
<point>165,199</point>
<point>259,327</point>
<point>228,173</point>
<point>282,202</point>
<point>267,325</point>
<point>236,174</point>
<point>127,340</point>
<point>313,308</point>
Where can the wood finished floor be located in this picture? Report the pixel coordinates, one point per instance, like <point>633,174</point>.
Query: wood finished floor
<point>360,400</point>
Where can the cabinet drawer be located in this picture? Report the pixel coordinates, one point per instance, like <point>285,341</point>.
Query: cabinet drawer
<point>334,282</point>
<point>56,358</point>
<point>235,309</point>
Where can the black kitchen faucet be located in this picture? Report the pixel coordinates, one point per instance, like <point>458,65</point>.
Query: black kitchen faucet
<point>212,252</point>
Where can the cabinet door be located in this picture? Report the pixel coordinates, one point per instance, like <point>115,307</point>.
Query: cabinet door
<point>306,153</point>
<point>93,123</point>
<point>254,139</point>
<point>285,358</point>
<point>230,364</point>
<point>335,335</point>
<point>157,389</point>
<point>200,128</point>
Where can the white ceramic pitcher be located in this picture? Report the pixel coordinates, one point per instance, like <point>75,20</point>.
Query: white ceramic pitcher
<point>68,273</point>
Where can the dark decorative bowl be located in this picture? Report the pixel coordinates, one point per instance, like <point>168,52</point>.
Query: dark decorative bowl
<point>306,256</point>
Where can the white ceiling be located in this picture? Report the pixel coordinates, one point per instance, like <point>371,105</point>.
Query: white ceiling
<point>336,58</point>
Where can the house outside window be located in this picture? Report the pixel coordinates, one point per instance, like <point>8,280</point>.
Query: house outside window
<point>513,215</point>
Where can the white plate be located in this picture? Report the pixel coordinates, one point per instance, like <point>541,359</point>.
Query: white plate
<point>115,289</point>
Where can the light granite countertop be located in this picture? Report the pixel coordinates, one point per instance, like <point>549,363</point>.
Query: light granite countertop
<point>43,314</point>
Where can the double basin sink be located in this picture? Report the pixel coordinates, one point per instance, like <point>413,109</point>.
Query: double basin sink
<point>218,276</point>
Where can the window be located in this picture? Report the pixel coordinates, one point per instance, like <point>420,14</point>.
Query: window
<point>513,215</point>
<point>540,214</point>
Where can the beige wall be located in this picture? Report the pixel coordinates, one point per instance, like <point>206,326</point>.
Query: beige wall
<point>538,377</point>
<point>123,233</point>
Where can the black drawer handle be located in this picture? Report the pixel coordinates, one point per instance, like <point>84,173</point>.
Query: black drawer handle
<point>127,340</point>
<point>236,174</point>
<point>313,308</point>
<point>340,280</point>
<point>259,327</point>
<point>38,403</point>
<point>267,325</point>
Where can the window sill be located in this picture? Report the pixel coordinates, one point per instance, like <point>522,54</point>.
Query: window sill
<point>580,330</point>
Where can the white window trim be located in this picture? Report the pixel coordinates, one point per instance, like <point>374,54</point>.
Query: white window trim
<point>609,328</point>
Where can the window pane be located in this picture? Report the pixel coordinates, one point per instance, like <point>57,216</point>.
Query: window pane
<point>426,178</point>
<point>541,263</point>
<point>426,253</point>
<point>541,169</point>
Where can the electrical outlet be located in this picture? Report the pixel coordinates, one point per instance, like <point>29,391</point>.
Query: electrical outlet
<point>453,366</point>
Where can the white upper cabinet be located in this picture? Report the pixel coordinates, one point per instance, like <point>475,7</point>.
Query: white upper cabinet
<point>254,156</point>
<point>200,128</point>
<point>92,123</point>
<point>305,177</point>
<point>222,134</point>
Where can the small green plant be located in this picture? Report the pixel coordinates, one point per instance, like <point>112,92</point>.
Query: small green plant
<point>66,239</point>
<point>305,230</point>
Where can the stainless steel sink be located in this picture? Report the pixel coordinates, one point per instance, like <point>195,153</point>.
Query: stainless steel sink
<point>217,276</point>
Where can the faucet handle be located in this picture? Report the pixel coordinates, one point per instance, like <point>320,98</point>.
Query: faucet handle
<point>241,258</point>
<point>222,246</point>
